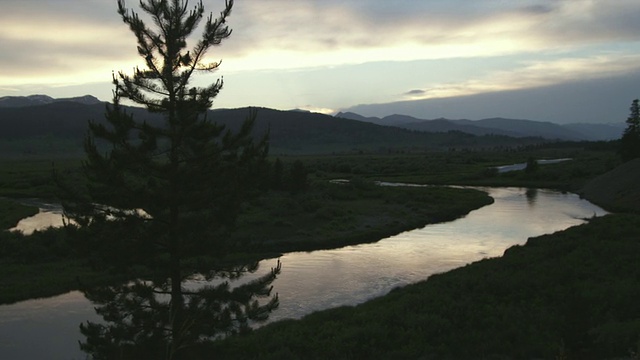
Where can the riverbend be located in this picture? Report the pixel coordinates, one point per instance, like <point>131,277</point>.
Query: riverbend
<point>318,280</point>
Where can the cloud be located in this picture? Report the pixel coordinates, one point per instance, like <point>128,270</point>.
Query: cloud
<point>415,94</point>
<point>70,41</point>
<point>602,100</point>
<point>539,9</point>
<point>536,74</point>
<point>315,109</point>
<point>62,42</point>
<point>581,22</point>
<point>66,41</point>
<point>281,34</point>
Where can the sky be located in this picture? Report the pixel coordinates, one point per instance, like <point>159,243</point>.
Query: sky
<point>335,55</point>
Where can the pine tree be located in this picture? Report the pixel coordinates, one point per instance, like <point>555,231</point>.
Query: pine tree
<point>630,142</point>
<point>163,191</point>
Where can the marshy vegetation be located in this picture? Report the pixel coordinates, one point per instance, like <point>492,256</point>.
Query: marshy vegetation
<point>565,295</point>
<point>571,295</point>
<point>324,215</point>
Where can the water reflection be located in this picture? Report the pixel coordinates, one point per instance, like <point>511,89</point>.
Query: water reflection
<point>318,280</point>
<point>49,215</point>
<point>531,195</point>
<point>353,274</point>
<point>44,328</point>
<point>154,320</point>
<point>522,166</point>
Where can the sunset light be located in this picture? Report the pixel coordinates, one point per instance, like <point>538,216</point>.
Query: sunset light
<point>442,49</point>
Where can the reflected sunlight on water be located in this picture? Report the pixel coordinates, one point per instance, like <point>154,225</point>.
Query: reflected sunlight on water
<point>44,328</point>
<point>49,215</point>
<point>318,280</point>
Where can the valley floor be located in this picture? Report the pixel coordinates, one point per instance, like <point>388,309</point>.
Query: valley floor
<point>569,295</point>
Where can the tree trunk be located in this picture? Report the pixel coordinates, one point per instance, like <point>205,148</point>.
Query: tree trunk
<point>177,300</point>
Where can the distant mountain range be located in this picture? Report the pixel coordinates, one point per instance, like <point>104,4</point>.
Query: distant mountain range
<point>42,126</point>
<point>499,126</point>
<point>35,100</point>
<point>594,100</point>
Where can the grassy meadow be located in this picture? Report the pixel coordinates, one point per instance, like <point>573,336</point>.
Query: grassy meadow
<point>322,216</point>
<point>567,295</point>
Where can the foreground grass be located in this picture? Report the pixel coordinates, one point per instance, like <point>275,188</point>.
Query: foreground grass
<point>572,294</point>
<point>11,212</point>
<point>327,216</point>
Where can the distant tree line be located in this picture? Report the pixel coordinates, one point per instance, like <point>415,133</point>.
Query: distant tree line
<point>293,178</point>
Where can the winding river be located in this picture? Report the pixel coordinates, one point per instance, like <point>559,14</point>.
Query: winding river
<point>310,281</point>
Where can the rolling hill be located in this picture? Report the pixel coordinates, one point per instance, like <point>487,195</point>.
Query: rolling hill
<point>59,127</point>
<point>499,126</point>
<point>35,100</point>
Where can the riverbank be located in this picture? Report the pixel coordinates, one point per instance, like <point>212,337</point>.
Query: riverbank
<point>616,190</point>
<point>326,216</point>
<point>545,301</point>
<point>11,212</point>
<point>568,295</point>
<point>572,294</point>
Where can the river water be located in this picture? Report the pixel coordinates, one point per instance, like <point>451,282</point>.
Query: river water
<point>50,215</point>
<point>310,281</point>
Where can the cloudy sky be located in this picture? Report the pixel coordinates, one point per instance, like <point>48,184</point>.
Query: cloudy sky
<point>331,55</point>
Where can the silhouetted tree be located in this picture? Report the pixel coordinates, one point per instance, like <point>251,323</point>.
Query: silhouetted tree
<point>165,192</point>
<point>630,142</point>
